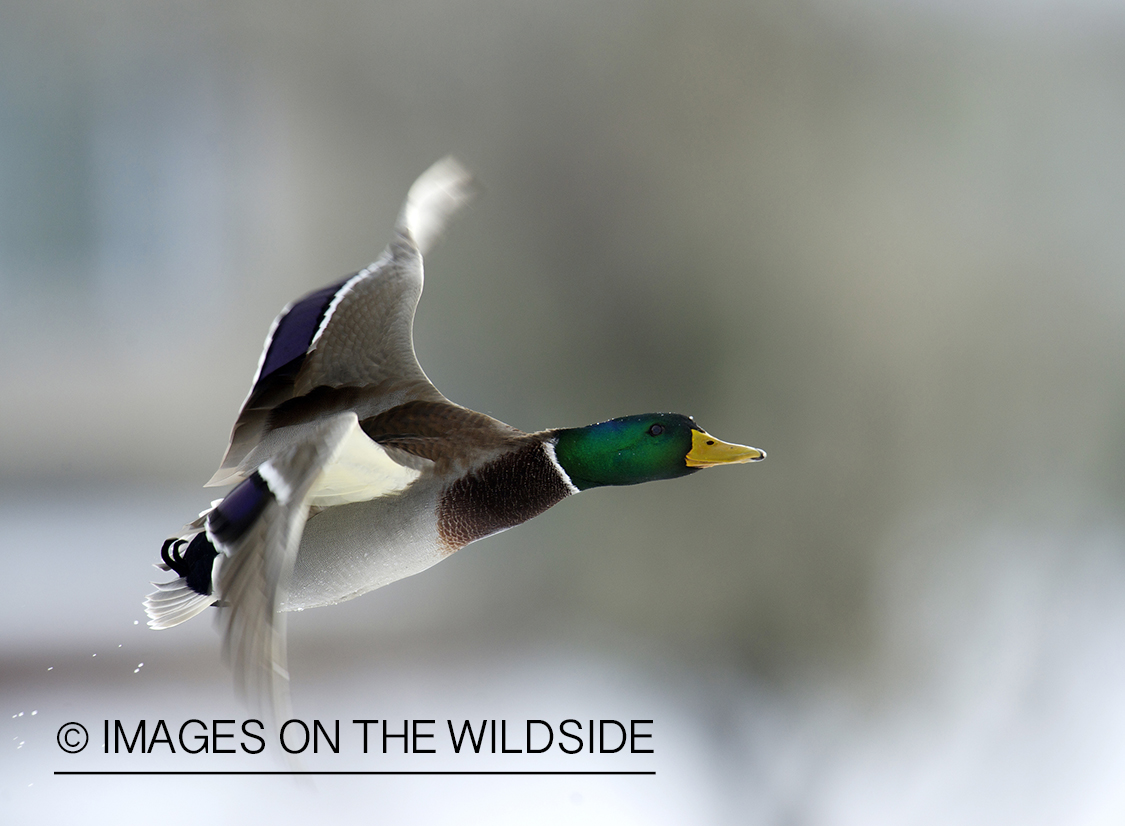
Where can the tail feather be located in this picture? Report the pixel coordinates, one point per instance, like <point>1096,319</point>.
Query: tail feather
<point>175,602</point>
<point>191,593</point>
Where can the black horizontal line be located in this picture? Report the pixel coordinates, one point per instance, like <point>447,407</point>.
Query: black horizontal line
<point>356,772</point>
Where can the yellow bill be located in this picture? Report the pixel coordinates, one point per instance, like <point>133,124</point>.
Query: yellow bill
<point>707,451</point>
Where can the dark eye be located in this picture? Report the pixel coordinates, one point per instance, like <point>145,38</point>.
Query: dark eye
<point>656,430</point>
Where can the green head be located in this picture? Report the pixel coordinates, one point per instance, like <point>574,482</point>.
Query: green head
<point>643,448</point>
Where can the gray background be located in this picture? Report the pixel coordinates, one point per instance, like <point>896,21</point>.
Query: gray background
<point>881,240</point>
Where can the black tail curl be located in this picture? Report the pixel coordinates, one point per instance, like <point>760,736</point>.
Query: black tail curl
<point>194,564</point>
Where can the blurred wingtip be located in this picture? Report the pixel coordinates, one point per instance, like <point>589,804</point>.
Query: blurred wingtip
<point>435,197</point>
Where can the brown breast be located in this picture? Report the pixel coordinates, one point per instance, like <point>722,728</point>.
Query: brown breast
<point>500,494</point>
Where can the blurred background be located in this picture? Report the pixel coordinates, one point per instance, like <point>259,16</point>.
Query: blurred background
<point>880,239</point>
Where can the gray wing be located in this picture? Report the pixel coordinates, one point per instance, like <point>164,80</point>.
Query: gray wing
<point>258,564</point>
<point>356,335</point>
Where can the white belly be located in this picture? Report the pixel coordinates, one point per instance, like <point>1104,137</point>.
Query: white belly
<point>352,549</point>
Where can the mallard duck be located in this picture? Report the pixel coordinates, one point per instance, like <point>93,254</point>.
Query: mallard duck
<point>351,470</point>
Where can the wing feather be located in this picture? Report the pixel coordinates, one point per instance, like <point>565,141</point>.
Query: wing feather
<point>254,577</point>
<point>358,332</point>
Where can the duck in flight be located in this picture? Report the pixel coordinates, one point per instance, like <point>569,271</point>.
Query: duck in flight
<point>351,470</point>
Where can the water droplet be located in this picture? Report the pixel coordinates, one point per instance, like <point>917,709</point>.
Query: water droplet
<point>140,665</point>
<point>136,670</point>
<point>21,714</point>
<point>34,712</point>
<point>93,655</point>
<point>51,668</point>
<point>136,622</point>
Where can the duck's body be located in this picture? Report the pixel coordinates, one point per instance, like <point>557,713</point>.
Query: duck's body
<point>353,471</point>
<point>352,549</point>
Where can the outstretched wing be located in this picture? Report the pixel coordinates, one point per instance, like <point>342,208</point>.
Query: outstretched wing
<point>355,334</point>
<point>259,535</point>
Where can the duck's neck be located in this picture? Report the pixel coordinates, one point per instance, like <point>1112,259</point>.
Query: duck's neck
<point>571,457</point>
